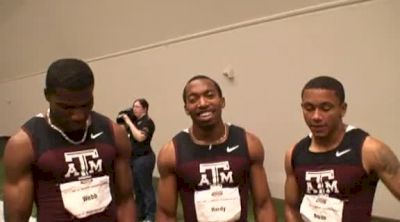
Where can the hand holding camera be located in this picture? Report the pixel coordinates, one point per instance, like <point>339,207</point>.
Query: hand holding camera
<point>126,113</point>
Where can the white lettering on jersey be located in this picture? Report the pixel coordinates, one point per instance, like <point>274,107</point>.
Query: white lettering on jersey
<point>321,182</point>
<point>89,163</point>
<point>220,173</point>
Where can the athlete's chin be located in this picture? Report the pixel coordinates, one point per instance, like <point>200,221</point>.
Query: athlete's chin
<point>319,134</point>
<point>319,130</point>
<point>205,123</point>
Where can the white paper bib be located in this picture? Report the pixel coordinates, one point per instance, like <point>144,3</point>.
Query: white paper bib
<point>317,208</point>
<point>85,198</point>
<point>217,204</point>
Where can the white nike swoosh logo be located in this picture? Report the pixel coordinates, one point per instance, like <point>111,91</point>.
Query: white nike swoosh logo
<point>341,153</point>
<point>94,136</point>
<point>230,149</point>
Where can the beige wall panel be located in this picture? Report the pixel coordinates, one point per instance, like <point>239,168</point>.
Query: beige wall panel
<point>36,32</point>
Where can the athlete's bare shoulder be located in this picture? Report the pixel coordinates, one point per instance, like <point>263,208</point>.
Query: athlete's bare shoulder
<point>18,154</point>
<point>378,157</point>
<point>166,157</point>
<point>19,144</point>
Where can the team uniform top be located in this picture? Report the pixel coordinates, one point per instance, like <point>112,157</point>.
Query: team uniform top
<point>73,182</point>
<point>337,174</point>
<point>213,180</point>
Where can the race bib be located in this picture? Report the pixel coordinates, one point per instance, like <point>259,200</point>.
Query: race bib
<point>317,208</point>
<point>217,204</point>
<point>85,198</point>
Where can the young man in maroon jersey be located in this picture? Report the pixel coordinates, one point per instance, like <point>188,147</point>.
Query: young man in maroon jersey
<point>212,165</point>
<point>333,172</point>
<point>71,161</point>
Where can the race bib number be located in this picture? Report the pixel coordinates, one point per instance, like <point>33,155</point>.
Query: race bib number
<point>317,208</point>
<point>218,204</point>
<point>85,198</point>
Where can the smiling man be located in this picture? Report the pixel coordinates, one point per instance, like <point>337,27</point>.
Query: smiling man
<point>332,174</point>
<point>212,164</point>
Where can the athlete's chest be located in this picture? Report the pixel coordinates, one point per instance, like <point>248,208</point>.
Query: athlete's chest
<point>225,164</point>
<point>331,179</point>
<point>332,172</point>
<point>75,162</point>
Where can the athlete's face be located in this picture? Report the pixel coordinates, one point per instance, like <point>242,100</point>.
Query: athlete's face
<point>69,109</point>
<point>203,102</point>
<point>322,111</point>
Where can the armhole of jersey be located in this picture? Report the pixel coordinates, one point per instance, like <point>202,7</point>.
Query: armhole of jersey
<point>111,128</point>
<point>295,150</point>
<point>177,141</point>
<point>244,141</point>
<point>176,149</point>
<point>360,150</point>
<point>291,157</point>
<point>241,134</point>
<point>100,122</point>
<point>355,137</point>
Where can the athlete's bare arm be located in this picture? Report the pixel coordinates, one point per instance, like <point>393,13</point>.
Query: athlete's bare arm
<point>167,188</point>
<point>378,157</point>
<point>263,205</point>
<point>18,183</point>
<point>126,209</point>
<point>292,213</point>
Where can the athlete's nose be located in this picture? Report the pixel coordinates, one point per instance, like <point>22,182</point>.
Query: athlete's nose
<point>78,115</point>
<point>317,115</point>
<point>202,101</point>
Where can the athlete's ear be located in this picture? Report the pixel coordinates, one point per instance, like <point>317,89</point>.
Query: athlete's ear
<point>46,94</point>
<point>186,110</point>
<point>344,108</point>
<point>223,102</point>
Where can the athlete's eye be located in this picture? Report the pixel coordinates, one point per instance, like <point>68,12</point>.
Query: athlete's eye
<point>308,107</point>
<point>210,94</point>
<point>66,107</point>
<point>326,107</point>
<point>192,99</point>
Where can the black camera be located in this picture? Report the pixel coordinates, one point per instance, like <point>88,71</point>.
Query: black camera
<point>128,112</point>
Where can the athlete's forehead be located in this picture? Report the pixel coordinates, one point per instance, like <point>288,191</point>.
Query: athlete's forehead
<point>318,96</point>
<point>72,97</point>
<point>200,86</point>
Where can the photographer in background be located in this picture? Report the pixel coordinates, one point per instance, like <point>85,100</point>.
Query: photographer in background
<point>141,128</point>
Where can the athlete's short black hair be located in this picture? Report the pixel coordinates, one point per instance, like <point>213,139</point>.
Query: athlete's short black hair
<point>200,77</point>
<point>326,82</point>
<point>68,73</point>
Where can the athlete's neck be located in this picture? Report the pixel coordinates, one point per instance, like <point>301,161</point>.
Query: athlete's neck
<point>329,142</point>
<point>209,135</point>
<point>63,134</point>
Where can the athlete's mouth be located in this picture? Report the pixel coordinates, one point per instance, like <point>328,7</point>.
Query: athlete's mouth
<point>204,115</point>
<point>317,127</point>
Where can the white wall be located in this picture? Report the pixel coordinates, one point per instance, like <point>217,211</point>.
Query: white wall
<point>358,44</point>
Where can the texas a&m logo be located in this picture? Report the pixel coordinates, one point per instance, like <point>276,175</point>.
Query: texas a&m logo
<point>82,163</point>
<point>220,173</point>
<point>321,182</point>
